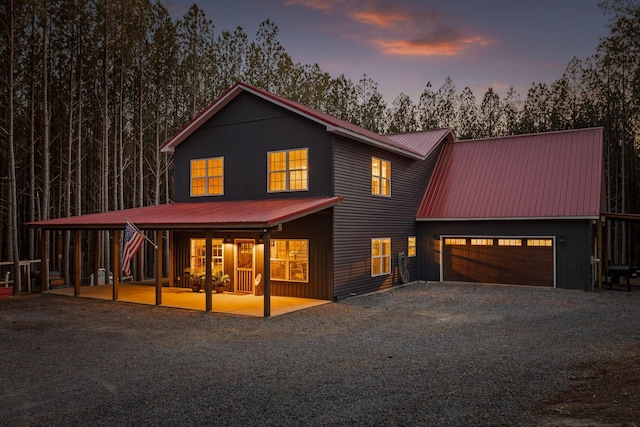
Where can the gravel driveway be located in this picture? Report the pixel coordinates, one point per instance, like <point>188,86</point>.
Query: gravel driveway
<point>423,354</point>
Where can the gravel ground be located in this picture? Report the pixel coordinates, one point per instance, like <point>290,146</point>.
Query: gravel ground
<point>423,354</point>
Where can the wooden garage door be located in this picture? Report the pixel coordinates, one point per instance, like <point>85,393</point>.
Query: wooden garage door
<point>518,261</point>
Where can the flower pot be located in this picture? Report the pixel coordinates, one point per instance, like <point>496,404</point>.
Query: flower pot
<point>219,289</point>
<point>195,288</point>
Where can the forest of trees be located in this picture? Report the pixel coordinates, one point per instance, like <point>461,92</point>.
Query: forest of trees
<point>90,89</point>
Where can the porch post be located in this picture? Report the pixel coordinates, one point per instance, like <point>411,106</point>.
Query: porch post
<point>207,280</point>
<point>172,266</point>
<point>267,273</point>
<point>116,264</point>
<point>44,262</point>
<point>159,267</point>
<point>76,247</point>
<point>602,221</point>
<point>96,256</point>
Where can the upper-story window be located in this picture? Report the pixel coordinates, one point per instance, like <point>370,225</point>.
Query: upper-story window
<point>287,170</point>
<point>207,177</point>
<point>380,177</point>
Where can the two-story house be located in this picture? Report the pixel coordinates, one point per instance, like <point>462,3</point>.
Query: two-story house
<point>289,201</point>
<point>253,148</point>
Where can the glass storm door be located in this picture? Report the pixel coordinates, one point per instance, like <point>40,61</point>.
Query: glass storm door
<point>244,265</point>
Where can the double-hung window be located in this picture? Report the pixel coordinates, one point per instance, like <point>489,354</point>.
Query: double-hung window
<point>380,256</point>
<point>287,170</point>
<point>380,177</point>
<point>411,246</point>
<point>290,260</point>
<point>207,177</point>
<point>198,256</point>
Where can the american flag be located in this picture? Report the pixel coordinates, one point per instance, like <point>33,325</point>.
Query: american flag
<point>132,242</point>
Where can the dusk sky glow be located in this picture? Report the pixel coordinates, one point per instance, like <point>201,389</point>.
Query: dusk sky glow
<point>404,44</point>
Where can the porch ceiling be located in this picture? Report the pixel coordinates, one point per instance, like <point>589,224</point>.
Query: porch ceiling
<point>242,214</point>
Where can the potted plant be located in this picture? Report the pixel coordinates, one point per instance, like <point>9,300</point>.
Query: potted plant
<point>219,281</point>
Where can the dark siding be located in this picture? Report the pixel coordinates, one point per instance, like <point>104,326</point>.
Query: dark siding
<point>243,132</point>
<point>317,228</point>
<point>362,216</point>
<point>573,255</point>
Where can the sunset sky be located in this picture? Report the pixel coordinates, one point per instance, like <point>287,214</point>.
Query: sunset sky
<point>403,44</point>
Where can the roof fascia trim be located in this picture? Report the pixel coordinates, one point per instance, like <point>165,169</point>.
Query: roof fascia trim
<point>523,218</point>
<point>354,135</point>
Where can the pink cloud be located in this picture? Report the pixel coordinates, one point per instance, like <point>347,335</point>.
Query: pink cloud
<point>324,6</point>
<point>381,19</point>
<point>441,43</point>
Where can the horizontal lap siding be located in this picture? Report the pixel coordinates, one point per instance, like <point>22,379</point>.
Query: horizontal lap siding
<point>317,228</point>
<point>362,216</point>
<point>243,132</point>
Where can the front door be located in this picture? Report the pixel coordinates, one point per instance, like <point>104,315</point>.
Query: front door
<point>244,265</point>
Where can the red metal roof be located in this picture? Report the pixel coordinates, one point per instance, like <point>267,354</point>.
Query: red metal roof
<point>422,142</point>
<point>547,175</point>
<point>331,123</point>
<point>245,214</point>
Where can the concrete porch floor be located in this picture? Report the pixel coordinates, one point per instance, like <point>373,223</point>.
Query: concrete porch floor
<point>227,302</point>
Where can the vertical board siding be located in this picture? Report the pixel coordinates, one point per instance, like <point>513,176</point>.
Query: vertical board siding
<point>362,216</point>
<point>243,132</point>
<point>573,254</point>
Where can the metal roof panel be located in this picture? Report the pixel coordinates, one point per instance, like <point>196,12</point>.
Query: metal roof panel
<point>555,174</point>
<point>226,214</point>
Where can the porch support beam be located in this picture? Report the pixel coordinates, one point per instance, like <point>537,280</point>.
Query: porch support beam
<point>267,273</point>
<point>172,266</point>
<point>208,235</point>
<point>77,264</point>
<point>116,264</point>
<point>159,256</point>
<point>96,256</point>
<point>44,261</point>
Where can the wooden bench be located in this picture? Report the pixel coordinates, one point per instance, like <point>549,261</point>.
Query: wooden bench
<point>55,279</point>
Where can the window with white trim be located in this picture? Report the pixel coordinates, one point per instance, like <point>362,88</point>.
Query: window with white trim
<point>287,170</point>
<point>380,256</point>
<point>411,246</point>
<point>198,262</point>
<point>290,260</point>
<point>380,177</point>
<point>207,177</point>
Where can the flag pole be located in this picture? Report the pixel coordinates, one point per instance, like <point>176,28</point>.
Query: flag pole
<point>141,233</point>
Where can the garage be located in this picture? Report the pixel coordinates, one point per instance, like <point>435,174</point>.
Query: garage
<point>507,260</point>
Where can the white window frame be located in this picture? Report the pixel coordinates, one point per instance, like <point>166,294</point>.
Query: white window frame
<point>206,177</point>
<point>289,259</point>
<point>287,171</point>
<point>412,243</point>
<point>381,179</point>
<point>381,257</point>
<point>199,259</point>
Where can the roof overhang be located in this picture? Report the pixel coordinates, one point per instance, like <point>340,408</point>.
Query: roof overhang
<point>528,218</point>
<point>224,215</point>
<point>620,216</point>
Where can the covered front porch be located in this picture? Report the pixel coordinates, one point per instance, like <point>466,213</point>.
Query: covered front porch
<point>184,298</point>
<point>242,229</point>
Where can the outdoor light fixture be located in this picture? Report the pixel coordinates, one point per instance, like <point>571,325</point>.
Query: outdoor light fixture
<point>561,239</point>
